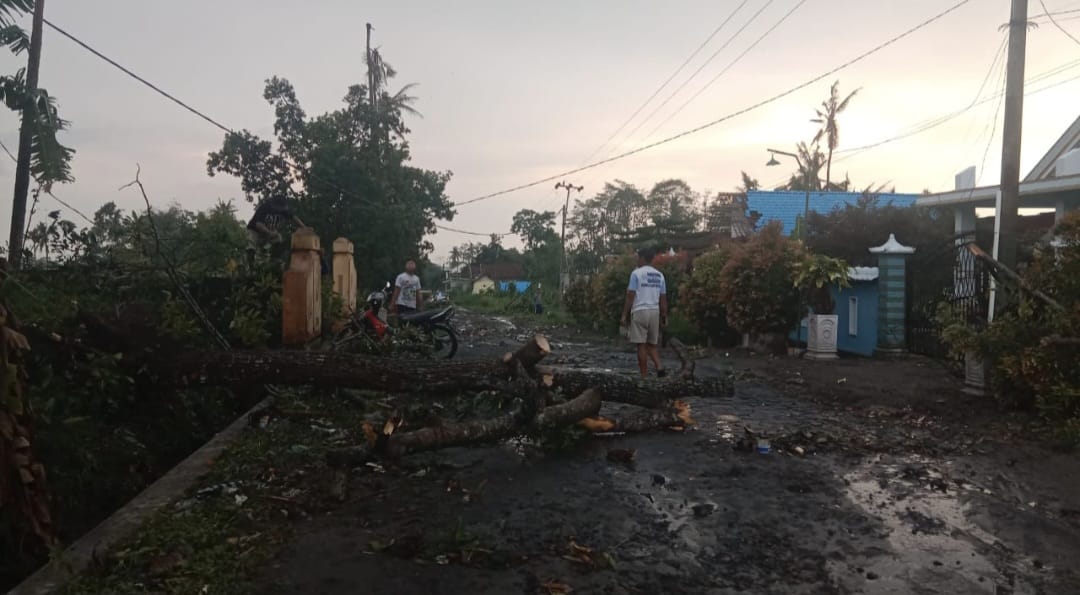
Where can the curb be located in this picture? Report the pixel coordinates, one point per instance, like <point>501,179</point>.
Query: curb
<point>130,517</point>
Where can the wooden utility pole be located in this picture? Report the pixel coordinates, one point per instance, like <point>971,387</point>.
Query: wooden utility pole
<point>1008,211</point>
<point>26,134</point>
<point>566,207</point>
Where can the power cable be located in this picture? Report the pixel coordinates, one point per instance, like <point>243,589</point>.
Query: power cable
<point>49,192</point>
<point>726,68</point>
<point>700,68</point>
<point>729,116</point>
<point>472,233</point>
<point>1056,24</point>
<point>669,79</point>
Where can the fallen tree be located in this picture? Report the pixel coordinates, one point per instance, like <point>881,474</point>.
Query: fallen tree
<point>534,387</point>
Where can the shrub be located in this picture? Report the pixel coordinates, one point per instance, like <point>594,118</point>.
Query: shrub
<point>1031,349</point>
<point>699,295</point>
<point>757,283</point>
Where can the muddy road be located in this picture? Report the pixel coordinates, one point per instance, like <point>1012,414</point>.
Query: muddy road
<point>903,485</point>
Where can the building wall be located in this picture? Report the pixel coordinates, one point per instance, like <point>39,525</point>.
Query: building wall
<point>787,207</point>
<point>865,324</point>
<point>483,284</point>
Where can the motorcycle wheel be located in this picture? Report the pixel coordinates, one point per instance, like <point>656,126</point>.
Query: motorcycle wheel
<point>444,341</point>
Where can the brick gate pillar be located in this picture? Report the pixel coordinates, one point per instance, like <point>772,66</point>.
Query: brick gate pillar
<point>892,289</point>
<point>301,304</point>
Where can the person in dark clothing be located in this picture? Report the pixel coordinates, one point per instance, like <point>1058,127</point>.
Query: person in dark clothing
<point>263,226</point>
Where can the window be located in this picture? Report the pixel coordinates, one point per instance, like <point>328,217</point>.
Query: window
<point>853,316</point>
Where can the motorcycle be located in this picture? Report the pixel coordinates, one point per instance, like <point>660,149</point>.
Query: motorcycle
<point>428,331</point>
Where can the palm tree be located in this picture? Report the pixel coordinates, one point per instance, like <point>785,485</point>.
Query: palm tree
<point>827,116</point>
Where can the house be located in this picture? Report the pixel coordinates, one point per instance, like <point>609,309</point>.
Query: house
<point>1053,184</point>
<point>499,276</point>
<point>788,207</point>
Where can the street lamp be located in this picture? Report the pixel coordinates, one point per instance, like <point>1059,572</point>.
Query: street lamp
<point>806,181</point>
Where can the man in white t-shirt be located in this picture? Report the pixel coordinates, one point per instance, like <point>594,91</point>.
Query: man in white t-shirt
<point>646,308</point>
<point>407,296</point>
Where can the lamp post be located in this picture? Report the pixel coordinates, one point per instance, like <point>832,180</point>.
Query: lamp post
<point>806,181</point>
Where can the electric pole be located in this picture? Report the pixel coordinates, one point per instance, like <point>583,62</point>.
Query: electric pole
<point>22,167</point>
<point>566,207</point>
<point>1008,211</point>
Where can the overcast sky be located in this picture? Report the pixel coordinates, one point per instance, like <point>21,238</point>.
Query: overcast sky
<point>515,91</point>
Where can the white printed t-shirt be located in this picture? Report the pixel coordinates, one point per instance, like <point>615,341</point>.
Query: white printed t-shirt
<point>409,285</point>
<point>648,285</point>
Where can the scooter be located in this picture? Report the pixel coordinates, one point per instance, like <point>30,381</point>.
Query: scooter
<point>426,330</point>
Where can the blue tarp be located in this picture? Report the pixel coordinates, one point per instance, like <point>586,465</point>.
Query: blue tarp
<point>515,286</point>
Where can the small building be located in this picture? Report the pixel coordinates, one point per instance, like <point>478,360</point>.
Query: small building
<point>856,312</point>
<point>497,276</point>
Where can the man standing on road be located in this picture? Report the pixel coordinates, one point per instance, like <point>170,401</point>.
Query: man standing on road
<point>646,308</point>
<point>407,296</point>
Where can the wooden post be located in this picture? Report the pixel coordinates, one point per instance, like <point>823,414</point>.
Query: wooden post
<point>26,137</point>
<point>301,307</point>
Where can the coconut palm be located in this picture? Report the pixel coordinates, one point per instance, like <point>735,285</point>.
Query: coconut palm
<point>827,116</point>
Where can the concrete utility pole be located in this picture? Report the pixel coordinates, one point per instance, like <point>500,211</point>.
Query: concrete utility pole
<point>1008,211</point>
<point>26,134</point>
<point>566,207</point>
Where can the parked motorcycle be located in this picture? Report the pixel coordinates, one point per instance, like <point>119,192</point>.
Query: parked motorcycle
<point>427,332</point>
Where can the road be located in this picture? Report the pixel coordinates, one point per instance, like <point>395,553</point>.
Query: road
<point>904,485</point>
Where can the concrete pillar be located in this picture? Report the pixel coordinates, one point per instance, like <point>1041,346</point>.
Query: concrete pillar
<point>301,304</point>
<point>892,303</point>
<point>1059,211</point>
<point>344,267</point>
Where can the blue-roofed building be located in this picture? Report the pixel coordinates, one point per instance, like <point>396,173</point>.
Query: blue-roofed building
<point>787,206</point>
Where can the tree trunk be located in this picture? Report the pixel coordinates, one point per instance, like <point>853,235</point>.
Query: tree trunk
<point>622,388</point>
<point>676,417</point>
<point>321,368</point>
<point>471,432</point>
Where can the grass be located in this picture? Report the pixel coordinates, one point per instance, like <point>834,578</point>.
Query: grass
<point>216,538</point>
<point>505,304</point>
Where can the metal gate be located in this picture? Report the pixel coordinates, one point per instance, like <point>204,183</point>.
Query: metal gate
<point>948,274</point>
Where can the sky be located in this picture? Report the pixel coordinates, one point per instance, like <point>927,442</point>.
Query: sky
<point>512,92</point>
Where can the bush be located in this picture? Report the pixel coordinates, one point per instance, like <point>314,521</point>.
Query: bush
<point>602,299</point>
<point>757,283</point>
<point>1031,348</point>
<point>700,295</point>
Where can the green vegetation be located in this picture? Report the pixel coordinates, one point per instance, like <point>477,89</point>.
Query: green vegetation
<point>1032,348</point>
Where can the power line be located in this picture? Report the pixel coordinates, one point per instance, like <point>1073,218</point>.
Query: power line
<point>1056,24</point>
<point>727,68</point>
<point>935,122</point>
<point>669,79</point>
<point>288,162</point>
<point>700,68</point>
<point>926,125</point>
<point>729,116</point>
<point>137,77</point>
<point>49,192</point>
<point>472,233</point>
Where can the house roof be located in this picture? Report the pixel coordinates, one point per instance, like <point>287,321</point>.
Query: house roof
<point>1068,141</point>
<point>988,194</point>
<point>498,271</point>
<point>787,206</point>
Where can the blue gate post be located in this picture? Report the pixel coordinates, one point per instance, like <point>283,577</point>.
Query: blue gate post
<point>892,304</point>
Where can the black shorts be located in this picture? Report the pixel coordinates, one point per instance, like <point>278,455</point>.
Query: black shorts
<point>401,310</point>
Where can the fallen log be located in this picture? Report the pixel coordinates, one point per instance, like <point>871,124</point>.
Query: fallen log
<point>472,432</point>
<point>331,369</point>
<point>529,354</point>
<point>677,417</point>
<point>622,388</point>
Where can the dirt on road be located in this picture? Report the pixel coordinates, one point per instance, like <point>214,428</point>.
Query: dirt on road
<point>883,478</point>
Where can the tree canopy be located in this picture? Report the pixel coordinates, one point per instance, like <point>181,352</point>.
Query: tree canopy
<point>346,172</point>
